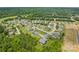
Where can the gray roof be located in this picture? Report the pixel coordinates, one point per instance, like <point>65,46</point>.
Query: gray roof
<point>56,34</point>
<point>42,40</point>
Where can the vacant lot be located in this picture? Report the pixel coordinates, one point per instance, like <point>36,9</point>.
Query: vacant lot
<point>70,42</point>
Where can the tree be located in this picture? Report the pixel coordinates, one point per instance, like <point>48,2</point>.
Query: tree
<point>1,29</point>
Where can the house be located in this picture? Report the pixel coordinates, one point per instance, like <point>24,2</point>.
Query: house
<point>23,22</point>
<point>10,31</point>
<point>56,35</point>
<point>51,25</point>
<point>42,40</point>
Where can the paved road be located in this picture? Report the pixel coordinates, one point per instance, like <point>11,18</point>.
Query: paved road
<point>2,19</point>
<point>77,37</point>
<point>18,31</point>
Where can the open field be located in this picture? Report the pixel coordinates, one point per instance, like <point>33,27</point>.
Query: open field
<point>70,38</point>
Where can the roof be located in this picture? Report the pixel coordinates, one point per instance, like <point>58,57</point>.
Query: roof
<point>42,40</point>
<point>56,34</point>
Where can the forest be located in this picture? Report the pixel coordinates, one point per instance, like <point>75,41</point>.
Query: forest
<point>38,11</point>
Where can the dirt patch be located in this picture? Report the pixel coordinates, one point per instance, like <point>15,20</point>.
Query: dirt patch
<point>70,38</point>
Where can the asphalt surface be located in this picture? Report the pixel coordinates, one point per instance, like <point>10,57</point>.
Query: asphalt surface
<point>77,37</point>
